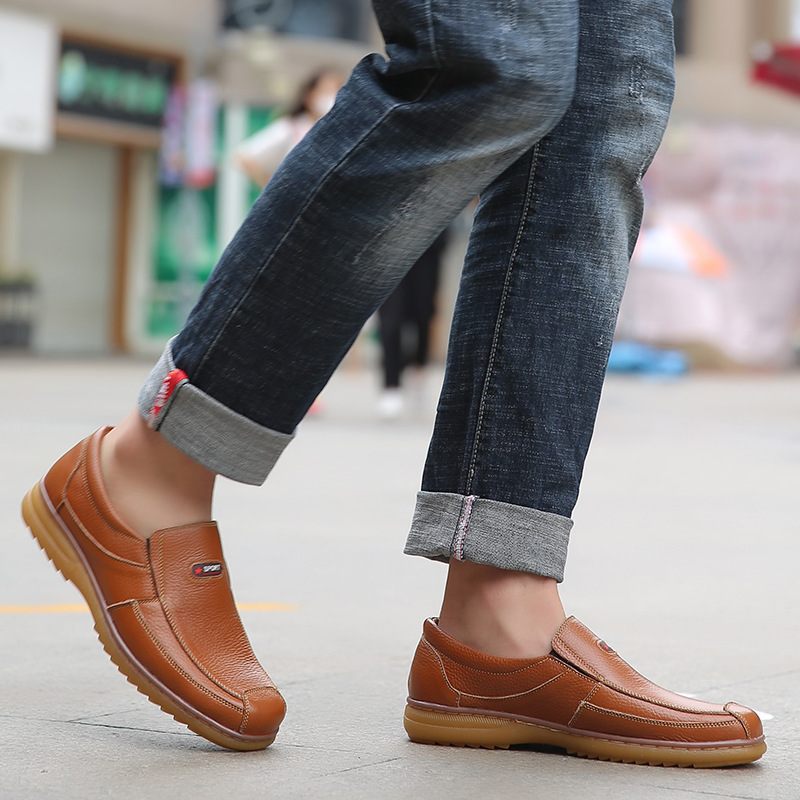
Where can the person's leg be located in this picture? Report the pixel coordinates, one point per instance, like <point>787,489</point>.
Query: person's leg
<point>390,329</point>
<point>533,327</point>
<point>536,313</point>
<point>421,301</point>
<point>467,89</point>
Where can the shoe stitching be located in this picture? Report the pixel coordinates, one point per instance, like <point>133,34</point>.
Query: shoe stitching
<point>174,664</point>
<point>127,602</point>
<point>438,658</point>
<point>613,685</point>
<point>583,703</point>
<point>246,715</point>
<point>502,671</point>
<point>587,666</point>
<point>270,683</point>
<point>71,475</point>
<point>591,735</point>
<point>246,702</point>
<point>459,692</point>
<point>562,626</point>
<point>666,723</point>
<point>178,636</point>
<point>68,506</point>
<point>518,694</point>
<point>740,717</point>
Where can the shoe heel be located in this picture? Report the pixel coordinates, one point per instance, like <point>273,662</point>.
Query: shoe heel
<point>48,535</point>
<point>463,730</point>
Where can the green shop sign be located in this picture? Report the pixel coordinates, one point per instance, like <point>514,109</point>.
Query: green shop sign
<point>109,83</point>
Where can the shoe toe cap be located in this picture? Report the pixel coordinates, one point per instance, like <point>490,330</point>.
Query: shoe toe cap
<point>748,719</point>
<point>264,710</point>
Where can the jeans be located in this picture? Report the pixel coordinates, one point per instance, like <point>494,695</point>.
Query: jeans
<point>551,111</point>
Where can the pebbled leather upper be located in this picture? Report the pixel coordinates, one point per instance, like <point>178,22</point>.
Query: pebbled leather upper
<point>582,685</point>
<point>180,626</point>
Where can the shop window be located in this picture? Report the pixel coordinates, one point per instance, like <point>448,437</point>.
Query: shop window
<point>340,19</point>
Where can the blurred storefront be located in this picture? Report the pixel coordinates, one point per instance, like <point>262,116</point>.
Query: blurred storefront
<point>716,272</point>
<point>264,53</point>
<point>118,198</point>
<point>717,42</point>
<point>119,192</point>
<point>78,209</point>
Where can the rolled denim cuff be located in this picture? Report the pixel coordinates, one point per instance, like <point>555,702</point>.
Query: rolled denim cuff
<point>206,430</point>
<point>470,528</point>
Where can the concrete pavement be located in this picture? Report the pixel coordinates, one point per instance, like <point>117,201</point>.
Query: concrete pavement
<point>684,556</point>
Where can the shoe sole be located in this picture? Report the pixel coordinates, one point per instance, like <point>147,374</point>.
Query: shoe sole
<point>427,726</point>
<point>57,543</point>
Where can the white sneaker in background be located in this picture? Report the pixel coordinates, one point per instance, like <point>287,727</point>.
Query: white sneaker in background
<point>415,383</point>
<point>390,404</point>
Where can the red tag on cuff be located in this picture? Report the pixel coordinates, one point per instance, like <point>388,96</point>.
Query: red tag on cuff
<point>168,386</point>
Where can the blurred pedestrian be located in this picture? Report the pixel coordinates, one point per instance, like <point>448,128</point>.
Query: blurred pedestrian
<point>404,325</point>
<point>549,110</point>
<point>261,154</point>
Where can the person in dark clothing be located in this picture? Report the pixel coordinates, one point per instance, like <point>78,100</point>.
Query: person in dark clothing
<point>404,323</point>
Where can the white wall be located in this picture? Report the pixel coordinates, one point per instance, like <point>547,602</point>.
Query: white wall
<point>144,200</point>
<point>67,204</point>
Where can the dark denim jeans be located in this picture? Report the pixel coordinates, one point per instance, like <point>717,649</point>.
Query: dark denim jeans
<point>551,110</point>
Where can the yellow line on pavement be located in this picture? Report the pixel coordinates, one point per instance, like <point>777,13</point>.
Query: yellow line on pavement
<point>51,608</point>
<point>266,606</point>
<point>80,608</point>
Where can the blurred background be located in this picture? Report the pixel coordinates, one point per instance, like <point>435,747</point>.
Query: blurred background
<point>120,183</point>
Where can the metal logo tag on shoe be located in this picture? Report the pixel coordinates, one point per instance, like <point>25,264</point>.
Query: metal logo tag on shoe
<point>605,646</point>
<point>207,569</point>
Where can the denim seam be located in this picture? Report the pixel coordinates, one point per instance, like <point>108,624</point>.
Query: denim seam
<point>501,316</point>
<point>432,34</point>
<point>460,535</point>
<point>323,181</point>
<point>533,540</point>
<point>636,92</point>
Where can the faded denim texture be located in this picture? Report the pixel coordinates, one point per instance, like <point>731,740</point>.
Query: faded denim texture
<point>551,110</point>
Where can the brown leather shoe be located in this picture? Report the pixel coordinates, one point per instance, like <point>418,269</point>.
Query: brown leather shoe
<point>163,607</point>
<point>582,697</point>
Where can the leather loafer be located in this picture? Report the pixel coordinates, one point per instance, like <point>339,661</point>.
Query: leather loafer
<point>162,607</point>
<point>582,698</point>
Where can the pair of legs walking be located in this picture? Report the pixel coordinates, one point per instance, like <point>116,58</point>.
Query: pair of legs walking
<point>551,110</point>
<point>408,312</point>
